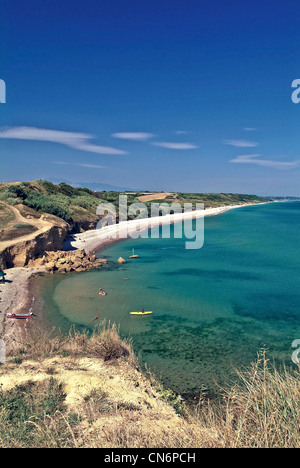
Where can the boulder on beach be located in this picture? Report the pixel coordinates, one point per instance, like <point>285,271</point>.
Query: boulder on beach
<point>64,262</point>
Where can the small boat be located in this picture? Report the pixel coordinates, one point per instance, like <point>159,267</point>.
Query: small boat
<point>141,313</point>
<point>133,256</point>
<point>19,316</point>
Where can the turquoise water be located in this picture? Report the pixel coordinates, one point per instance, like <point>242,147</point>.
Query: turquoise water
<point>213,308</point>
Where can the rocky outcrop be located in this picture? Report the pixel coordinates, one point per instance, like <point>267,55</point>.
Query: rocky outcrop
<point>121,260</point>
<point>45,248</point>
<point>65,262</point>
<point>21,253</point>
<point>84,225</point>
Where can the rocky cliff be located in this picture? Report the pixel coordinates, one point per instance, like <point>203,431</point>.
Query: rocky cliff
<point>20,253</point>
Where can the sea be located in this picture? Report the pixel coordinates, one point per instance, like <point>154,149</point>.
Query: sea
<point>214,309</point>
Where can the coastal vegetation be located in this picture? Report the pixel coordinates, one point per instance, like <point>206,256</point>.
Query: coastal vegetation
<point>39,216</point>
<point>75,205</point>
<point>87,390</point>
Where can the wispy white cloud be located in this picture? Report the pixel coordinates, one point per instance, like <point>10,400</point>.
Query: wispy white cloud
<point>136,136</point>
<point>250,129</point>
<point>241,143</point>
<point>175,146</point>
<point>78,141</point>
<point>88,166</point>
<point>254,159</point>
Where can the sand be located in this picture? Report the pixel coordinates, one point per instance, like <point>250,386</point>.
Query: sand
<point>16,298</point>
<point>95,239</point>
<point>15,292</point>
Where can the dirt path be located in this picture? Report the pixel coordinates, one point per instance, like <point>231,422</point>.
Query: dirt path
<point>41,224</point>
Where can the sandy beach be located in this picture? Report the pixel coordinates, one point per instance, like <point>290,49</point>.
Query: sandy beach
<point>15,297</point>
<point>95,239</point>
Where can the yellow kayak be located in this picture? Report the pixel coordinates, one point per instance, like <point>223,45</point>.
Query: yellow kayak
<point>140,313</point>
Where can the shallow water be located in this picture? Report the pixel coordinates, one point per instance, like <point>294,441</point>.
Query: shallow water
<point>213,308</point>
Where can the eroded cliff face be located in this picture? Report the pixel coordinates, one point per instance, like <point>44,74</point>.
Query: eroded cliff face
<point>84,225</point>
<point>21,253</point>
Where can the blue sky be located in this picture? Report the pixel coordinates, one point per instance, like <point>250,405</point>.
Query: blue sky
<point>156,95</point>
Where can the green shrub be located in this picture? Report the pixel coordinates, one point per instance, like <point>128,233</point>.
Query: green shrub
<point>45,204</point>
<point>17,191</point>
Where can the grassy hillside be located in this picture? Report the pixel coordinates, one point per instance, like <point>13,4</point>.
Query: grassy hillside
<point>87,391</point>
<point>62,200</point>
<point>78,205</point>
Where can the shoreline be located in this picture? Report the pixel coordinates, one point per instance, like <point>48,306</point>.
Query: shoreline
<point>96,239</point>
<point>16,297</point>
<point>15,292</point>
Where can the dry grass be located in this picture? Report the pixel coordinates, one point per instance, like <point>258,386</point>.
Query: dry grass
<point>104,342</point>
<point>7,216</point>
<point>86,390</point>
<point>153,196</point>
<point>261,411</point>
